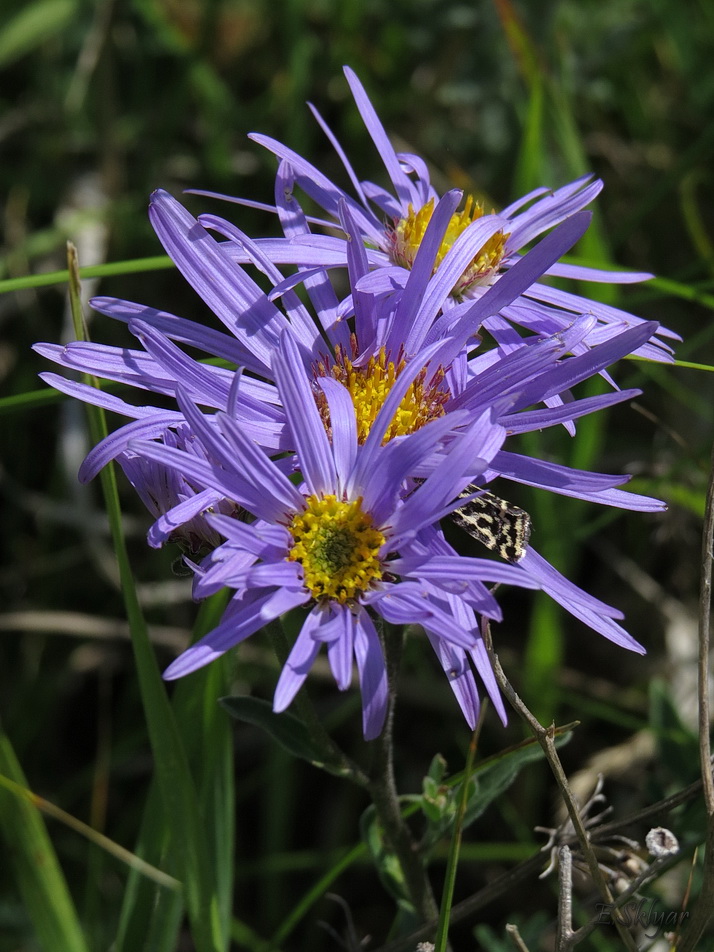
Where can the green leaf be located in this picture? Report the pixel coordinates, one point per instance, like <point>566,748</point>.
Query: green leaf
<point>35,868</point>
<point>437,799</point>
<point>386,862</point>
<point>487,782</point>
<point>34,24</point>
<point>497,774</point>
<point>286,729</point>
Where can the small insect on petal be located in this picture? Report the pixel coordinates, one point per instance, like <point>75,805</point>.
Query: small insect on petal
<point>495,523</point>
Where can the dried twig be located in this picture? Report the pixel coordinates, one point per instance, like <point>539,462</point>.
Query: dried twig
<point>702,911</point>
<point>545,737</point>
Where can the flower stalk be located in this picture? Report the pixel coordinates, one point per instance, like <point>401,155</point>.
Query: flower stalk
<point>383,791</point>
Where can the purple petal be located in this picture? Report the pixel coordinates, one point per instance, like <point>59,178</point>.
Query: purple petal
<point>249,612</point>
<point>482,662</point>
<point>115,443</point>
<point>299,661</point>
<point>236,300</point>
<point>408,602</point>
<point>455,663</point>
<point>525,422</point>
<point>594,613</point>
<point>447,569</point>
<point>580,305</point>
<point>177,328</point>
<point>380,485</point>
<point>100,398</point>
<point>301,323</point>
<point>357,267</point>
<point>595,487</point>
<point>122,364</point>
<point>324,192</point>
<point>405,328</point>
<point>584,273</point>
<point>340,152</point>
<point>170,521</point>
<point>340,639</point>
<point>308,431</point>
<point>199,380</point>
<point>264,541</point>
<point>520,277</point>
<point>372,674</point>
<point>549,212</point>
<point>343,424</point>
<point>316,283</point>
<point>400,180</point>
<point>373,444</point>
<point>464,250</point>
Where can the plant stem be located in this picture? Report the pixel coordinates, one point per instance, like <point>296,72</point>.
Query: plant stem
<point>703,910</point>
<point>546,738</point>
<point>383,790</point>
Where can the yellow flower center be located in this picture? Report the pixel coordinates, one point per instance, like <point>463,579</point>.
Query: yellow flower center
<point>337,546</point>
<point>406,236</point>
<point>369,387</point>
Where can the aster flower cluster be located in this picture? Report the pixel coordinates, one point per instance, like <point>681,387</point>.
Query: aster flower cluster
<point>310,463</point>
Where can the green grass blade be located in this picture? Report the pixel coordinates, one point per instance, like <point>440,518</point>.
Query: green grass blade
<point>452,864</point>
<point>151,915</point>
<point>188,850</point>
<point>529,167</point>
<point>29,400</point>
<point>135,266</point>
<point>35,866</point>
<point>207,731</point>
<point>207,737</point>
<point>315,892</point>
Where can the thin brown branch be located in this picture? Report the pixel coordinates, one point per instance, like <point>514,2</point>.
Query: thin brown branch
<point>565,899</point>
<point>705,599</point>
<point>383,791</point>
<point>546,738</point>
<point>507,883</point>
<point>705,903</point>
<point>512,931</point>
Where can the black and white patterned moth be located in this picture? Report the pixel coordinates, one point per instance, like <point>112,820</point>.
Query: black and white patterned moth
<point>495,523</point>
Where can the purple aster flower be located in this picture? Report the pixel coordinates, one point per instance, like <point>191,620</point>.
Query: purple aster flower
<point>373,345</point>
<point>164,490</point>
<point>344,541</point>
<point>365,339</point>
<point>396,225</point>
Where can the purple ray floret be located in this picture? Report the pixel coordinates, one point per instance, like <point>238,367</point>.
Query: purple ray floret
<point>377,216</point>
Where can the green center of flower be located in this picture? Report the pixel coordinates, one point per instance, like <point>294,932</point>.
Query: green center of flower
<point>407,233</point>
<point>337,546</point>
<point>370,385</point>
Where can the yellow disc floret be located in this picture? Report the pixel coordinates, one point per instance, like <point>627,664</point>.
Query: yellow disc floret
<point>407,233</point>
<point>337,546</point>
<point>369,387</point>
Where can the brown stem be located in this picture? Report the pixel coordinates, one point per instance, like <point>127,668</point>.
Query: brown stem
<point>546,738</point>
<point>705,903</point>
<point>383,790</point>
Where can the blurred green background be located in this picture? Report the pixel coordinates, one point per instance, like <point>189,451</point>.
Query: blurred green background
<point>101,102</point>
